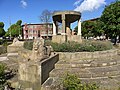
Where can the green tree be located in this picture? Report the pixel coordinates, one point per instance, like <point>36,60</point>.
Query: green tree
<point>91,28</point>
<point>2,31</point>
<point>111,19</point>
<point>15,29</point>
<point>19,22</point>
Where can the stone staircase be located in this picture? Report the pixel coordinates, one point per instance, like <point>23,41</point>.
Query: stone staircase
<point>103,71</point>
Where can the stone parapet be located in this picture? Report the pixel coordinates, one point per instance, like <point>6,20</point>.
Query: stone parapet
<point>87,55</point>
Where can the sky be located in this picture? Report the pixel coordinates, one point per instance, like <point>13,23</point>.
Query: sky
<point>29,10</point>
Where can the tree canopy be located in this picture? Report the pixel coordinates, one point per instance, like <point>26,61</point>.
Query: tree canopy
<point>2,31</point>
<point>45,16</point>
<point>15,29</point>
<point>91,28</point>
<point>111,19</point>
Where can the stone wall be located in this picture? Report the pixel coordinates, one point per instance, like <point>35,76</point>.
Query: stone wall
<point>32,74</point>
<point>48,65</point>
<point>87,55</point>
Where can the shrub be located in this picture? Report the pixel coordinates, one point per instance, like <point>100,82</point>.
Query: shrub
<point>72,82</point>
<point>65,47</point>
<point>3,49</point>
<point>101,45</point>
<point>88,46</point>
<point>2,76</point>
<point>28,45</point>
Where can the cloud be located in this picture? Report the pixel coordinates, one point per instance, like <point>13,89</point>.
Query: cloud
<point>77,3</point>
<point>23,3</point>
<point>88,5</point>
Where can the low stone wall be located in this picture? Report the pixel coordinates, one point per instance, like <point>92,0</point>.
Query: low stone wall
<point>48,65</point>
<point>32,74</point>
<point>87,55</point>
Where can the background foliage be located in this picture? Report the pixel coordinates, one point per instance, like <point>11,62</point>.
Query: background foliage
<point>15,29</point>
<point>2,31</point>
<point>111,19</point>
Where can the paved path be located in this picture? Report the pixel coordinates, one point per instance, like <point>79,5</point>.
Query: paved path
<point>3,58</point>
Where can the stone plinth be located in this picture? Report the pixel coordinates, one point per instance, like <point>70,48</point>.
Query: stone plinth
<point>29,75</point>
<point>33,74</point>
<point>15,46</point>
<point>59,38</point>
<point>11,49</point>
<point>64,38</point>
<point>76,38</point>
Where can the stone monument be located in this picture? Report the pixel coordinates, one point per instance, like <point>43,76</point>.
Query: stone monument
<point>39,51</point>
<point>66,18</point>
<point>30,69</point>
<point>15,46</point>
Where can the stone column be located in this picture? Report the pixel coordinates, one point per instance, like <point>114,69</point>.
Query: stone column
<point>63,24</point>
<point>54,27</point>
<point>79,27</point>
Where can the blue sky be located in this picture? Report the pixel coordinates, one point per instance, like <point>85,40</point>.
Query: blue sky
<point>29,10</point>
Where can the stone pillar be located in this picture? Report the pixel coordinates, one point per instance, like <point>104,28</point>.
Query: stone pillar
<point>79,27</point>
<point>54,27</point>
<point>63,24</point>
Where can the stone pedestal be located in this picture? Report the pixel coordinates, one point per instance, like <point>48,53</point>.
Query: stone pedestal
<point>64,38</point>
<point>59,38</point>
<point>15,46</point>
<point>30,75</point>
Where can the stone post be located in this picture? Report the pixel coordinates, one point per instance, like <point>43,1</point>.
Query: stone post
<point>54,27</point>
<point>79,27</point>
<point>63,24</point>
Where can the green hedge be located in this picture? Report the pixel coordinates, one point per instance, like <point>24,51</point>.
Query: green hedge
<point>88,46</point>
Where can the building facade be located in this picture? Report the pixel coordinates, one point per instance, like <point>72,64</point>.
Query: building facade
<point>33,31</point>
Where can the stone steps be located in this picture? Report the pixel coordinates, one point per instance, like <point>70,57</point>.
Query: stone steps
<point>87,63</point>
<point>108,71</point>
<point>103,83</point>
<point>104,72</point>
